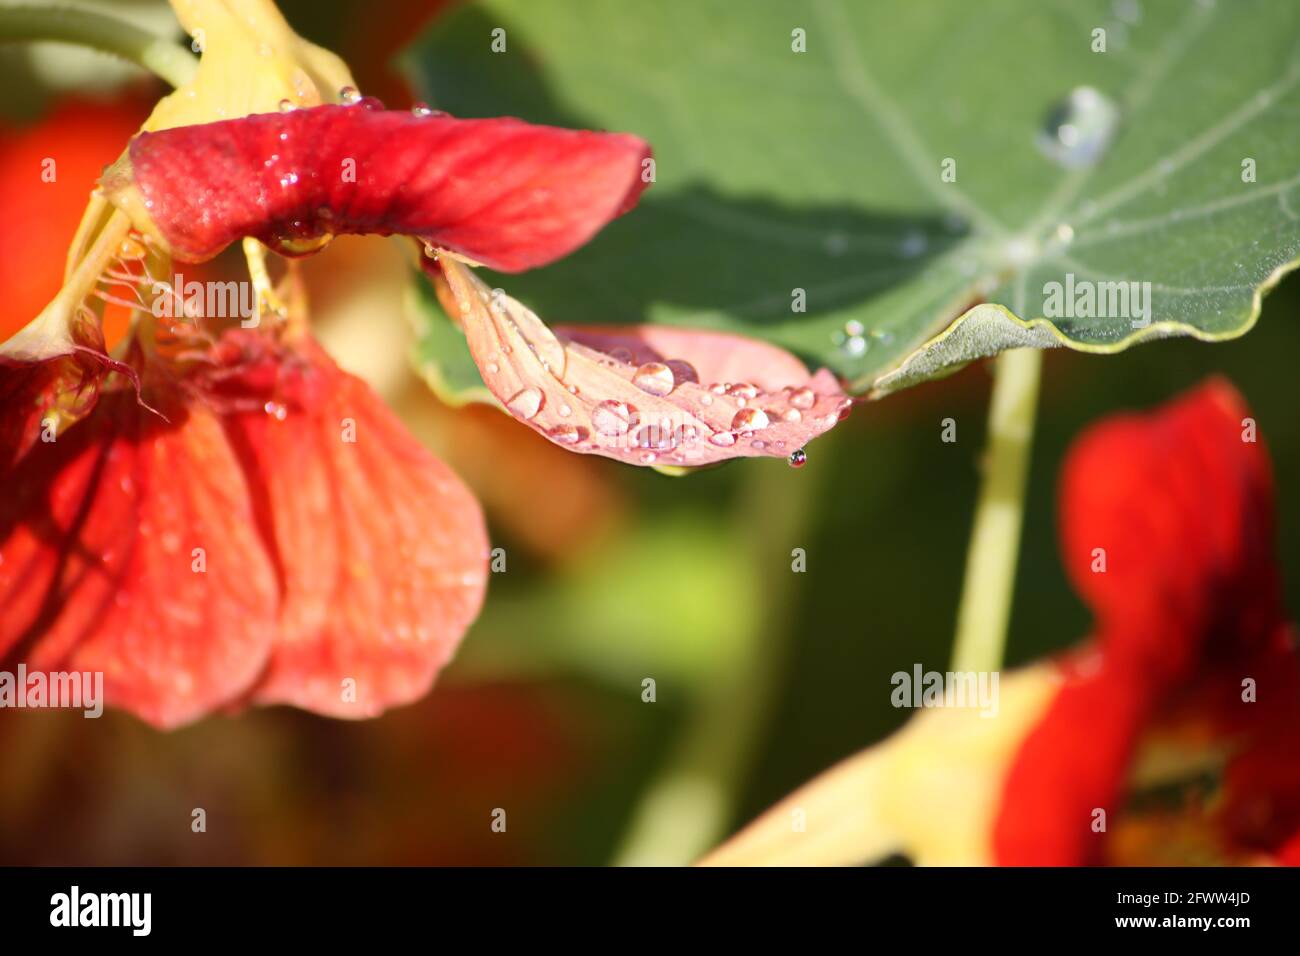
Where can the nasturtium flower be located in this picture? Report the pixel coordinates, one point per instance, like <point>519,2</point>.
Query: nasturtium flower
<point>1172,736</point>
<point>212,513</point>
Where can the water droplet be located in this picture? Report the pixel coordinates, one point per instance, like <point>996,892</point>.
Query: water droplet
<point>706,399</point>
<point>613,418</point>
<point>276,411</point>
<point>493,368</point>
<point>647,457</point>
<point>722,439</point>
<point>655,436</point>
<point>804,398</point>
<point>655,378</point>
<point>686,435</point>
<point>421,110</point>
<point>855,345</point>
<point>797,458</point>
<point>743,391</point>
<point>683,371</point>
<point>565,411</point>
<point>287,105</point>
<point>527,403</point>
<point>565,434</point>
<point>350,95</point>
<point>1079,130</point>
<point>792,415</point>
<point>758,444</point>
<point>749,420</point>
<point>913,244</point>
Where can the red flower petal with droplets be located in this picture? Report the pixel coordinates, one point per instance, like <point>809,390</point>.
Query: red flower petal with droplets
<point>501,192</point>
<point>641,394</point>
<point>1179,502</point>
<point>98,567</point>
<point>381,548</point>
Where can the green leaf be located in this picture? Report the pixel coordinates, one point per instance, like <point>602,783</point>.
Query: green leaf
<point>822,170</point>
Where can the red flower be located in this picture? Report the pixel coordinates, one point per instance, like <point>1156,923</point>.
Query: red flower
<point>1192,647</point>
<point>1173,736</point>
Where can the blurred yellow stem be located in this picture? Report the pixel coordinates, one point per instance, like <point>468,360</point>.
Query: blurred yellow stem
<point>90,28</point>
<point>995,536</point>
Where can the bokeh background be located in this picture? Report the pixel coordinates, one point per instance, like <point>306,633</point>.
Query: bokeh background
<point>764,677</point>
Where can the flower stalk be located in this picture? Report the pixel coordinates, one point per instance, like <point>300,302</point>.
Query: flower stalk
<point>991,556</point>
<point>89,28</point>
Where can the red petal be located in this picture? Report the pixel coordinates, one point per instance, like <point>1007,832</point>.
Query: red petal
<point>1073,763</point>
<point>382,549</point>
<point>1183,509</point>
<point>642,394</point>
<point>505,193</point>
<point>97,562</point>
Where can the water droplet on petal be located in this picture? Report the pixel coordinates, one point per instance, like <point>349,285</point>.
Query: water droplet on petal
<point>421,110</point>
<point>287,105</point>
<point>526,404</point>
<point>792,415</point>
<point>683,371</point>
<point>804,398</point>
<point>655,378</point>
<point>613,418</point>
<point>749,420</point>
<point>722,439</point>
<point>276,411</point>
<point>742,390</point>
<point>797,458</point>
<point>350,95</point>
<point>655,436</point>
<point>565,434</point>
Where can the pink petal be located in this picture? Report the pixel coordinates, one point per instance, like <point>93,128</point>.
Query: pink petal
<point>501,192</point>
<point>644,394</point>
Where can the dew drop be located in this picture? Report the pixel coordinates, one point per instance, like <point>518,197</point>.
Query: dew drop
<point>803,398</point>
<point>565,411</point>
<point>565,434</point>
<point>797,458</point>
<point>421,110</point>
<point>1079,129</point>
<point>613,418</point>
<point>722,439</point>
<point>749,420</point>
<point>527,403</point>
<point>655,378</point>
<point>350,95</point>
<point>647,457</point>
<point>287,105</point>
<point>793,415</point>
<point>683,371</point>
<point>657,437</point>
<point>276,411</point>
<point>742,390</point>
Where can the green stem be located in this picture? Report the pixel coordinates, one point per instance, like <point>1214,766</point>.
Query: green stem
<point>89,28</point>
<point>995,537</point>
<point>689,805</point>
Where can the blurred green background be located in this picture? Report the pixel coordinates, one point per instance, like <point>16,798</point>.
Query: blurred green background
<point>763,676</point>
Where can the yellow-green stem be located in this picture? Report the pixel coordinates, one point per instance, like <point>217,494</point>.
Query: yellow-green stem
<point>90,28</point>
<point>994,546</point>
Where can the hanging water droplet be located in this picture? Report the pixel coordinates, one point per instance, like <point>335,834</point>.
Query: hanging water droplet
<point>527,403</point>
<point>804,398</point>
<point>350,95</point>
<point>797,458</point>
<point>749,420</point>
<point>613,418</point>
<point>655,378</point>
<point>1079,130</point>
